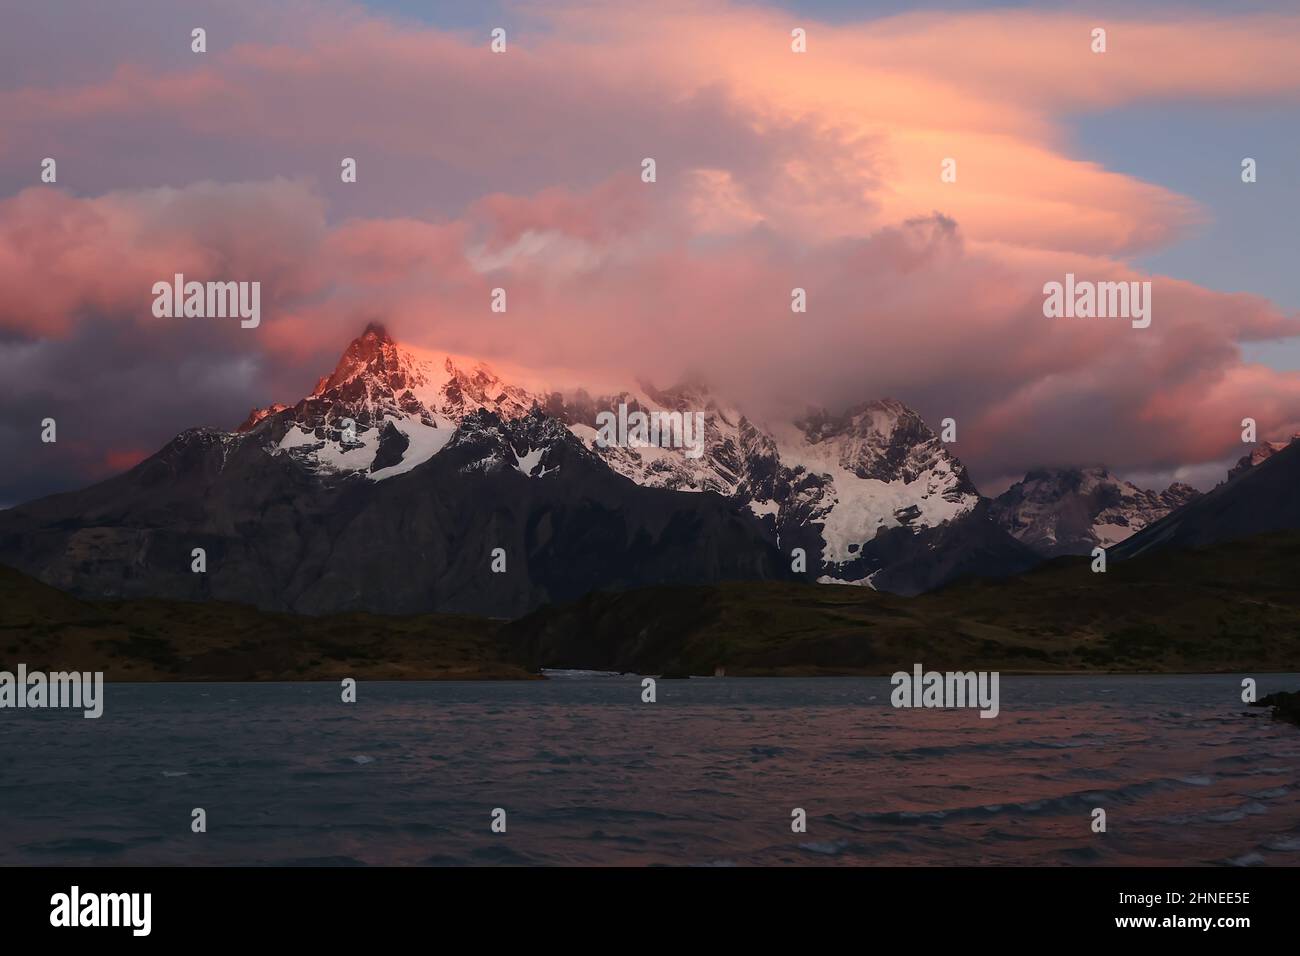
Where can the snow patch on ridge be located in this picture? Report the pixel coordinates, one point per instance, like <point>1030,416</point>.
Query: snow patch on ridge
<point>425,441</point>
<point>527,463</point>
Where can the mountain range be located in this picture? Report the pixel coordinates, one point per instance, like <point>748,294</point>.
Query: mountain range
<point>411,482</point>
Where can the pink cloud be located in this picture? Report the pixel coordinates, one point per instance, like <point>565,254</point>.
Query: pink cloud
<point>774,171</point>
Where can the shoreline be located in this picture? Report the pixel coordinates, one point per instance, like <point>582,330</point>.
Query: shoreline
<point>628,676</point>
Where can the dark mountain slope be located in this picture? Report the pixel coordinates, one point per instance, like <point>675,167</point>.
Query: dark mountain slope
<point>1259,499</point>
<point>279,536</point>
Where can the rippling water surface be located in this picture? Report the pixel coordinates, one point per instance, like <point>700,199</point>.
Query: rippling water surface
<point>707,775</point>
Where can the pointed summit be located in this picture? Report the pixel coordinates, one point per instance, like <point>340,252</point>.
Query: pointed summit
<point>372,354</point>
<point>376,330</point>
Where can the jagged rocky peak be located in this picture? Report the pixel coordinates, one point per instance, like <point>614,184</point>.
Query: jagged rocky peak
<point>479,386</point>
<point>1059,511</point>
<point>536,445</point>
<point>380,387</point>
<point>258,415</point>
<point>884,440</point>
<point>374,355</point>
<point>535,425</point>
<point>374,378</point>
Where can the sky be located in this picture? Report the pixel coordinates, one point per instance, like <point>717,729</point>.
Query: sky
<point>775,170</point>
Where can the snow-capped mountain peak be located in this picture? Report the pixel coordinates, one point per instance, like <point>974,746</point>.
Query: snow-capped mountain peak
<point>387,408</point>
<point>882,439</point>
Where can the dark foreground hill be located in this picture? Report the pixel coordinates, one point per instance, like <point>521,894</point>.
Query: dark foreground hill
<point>1233,607</point>
<point>149,640</point>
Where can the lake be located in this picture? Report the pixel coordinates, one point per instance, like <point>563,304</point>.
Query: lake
<point>708,775</point>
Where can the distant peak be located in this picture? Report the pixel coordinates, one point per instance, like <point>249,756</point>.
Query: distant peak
<point>374,341</point>
<point>372,353</point>
<point>886,414</point>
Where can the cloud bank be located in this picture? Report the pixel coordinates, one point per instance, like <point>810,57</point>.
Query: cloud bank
<point>522,171</point>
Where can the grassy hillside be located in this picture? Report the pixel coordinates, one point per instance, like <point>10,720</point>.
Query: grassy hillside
<point>1231,607</point>
<point>175,640</point>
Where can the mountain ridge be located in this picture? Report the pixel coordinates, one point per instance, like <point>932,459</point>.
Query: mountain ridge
<point>427,451</point>
<point>864,496</point>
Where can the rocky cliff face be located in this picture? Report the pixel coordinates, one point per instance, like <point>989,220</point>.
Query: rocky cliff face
<point>1058,511</point>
